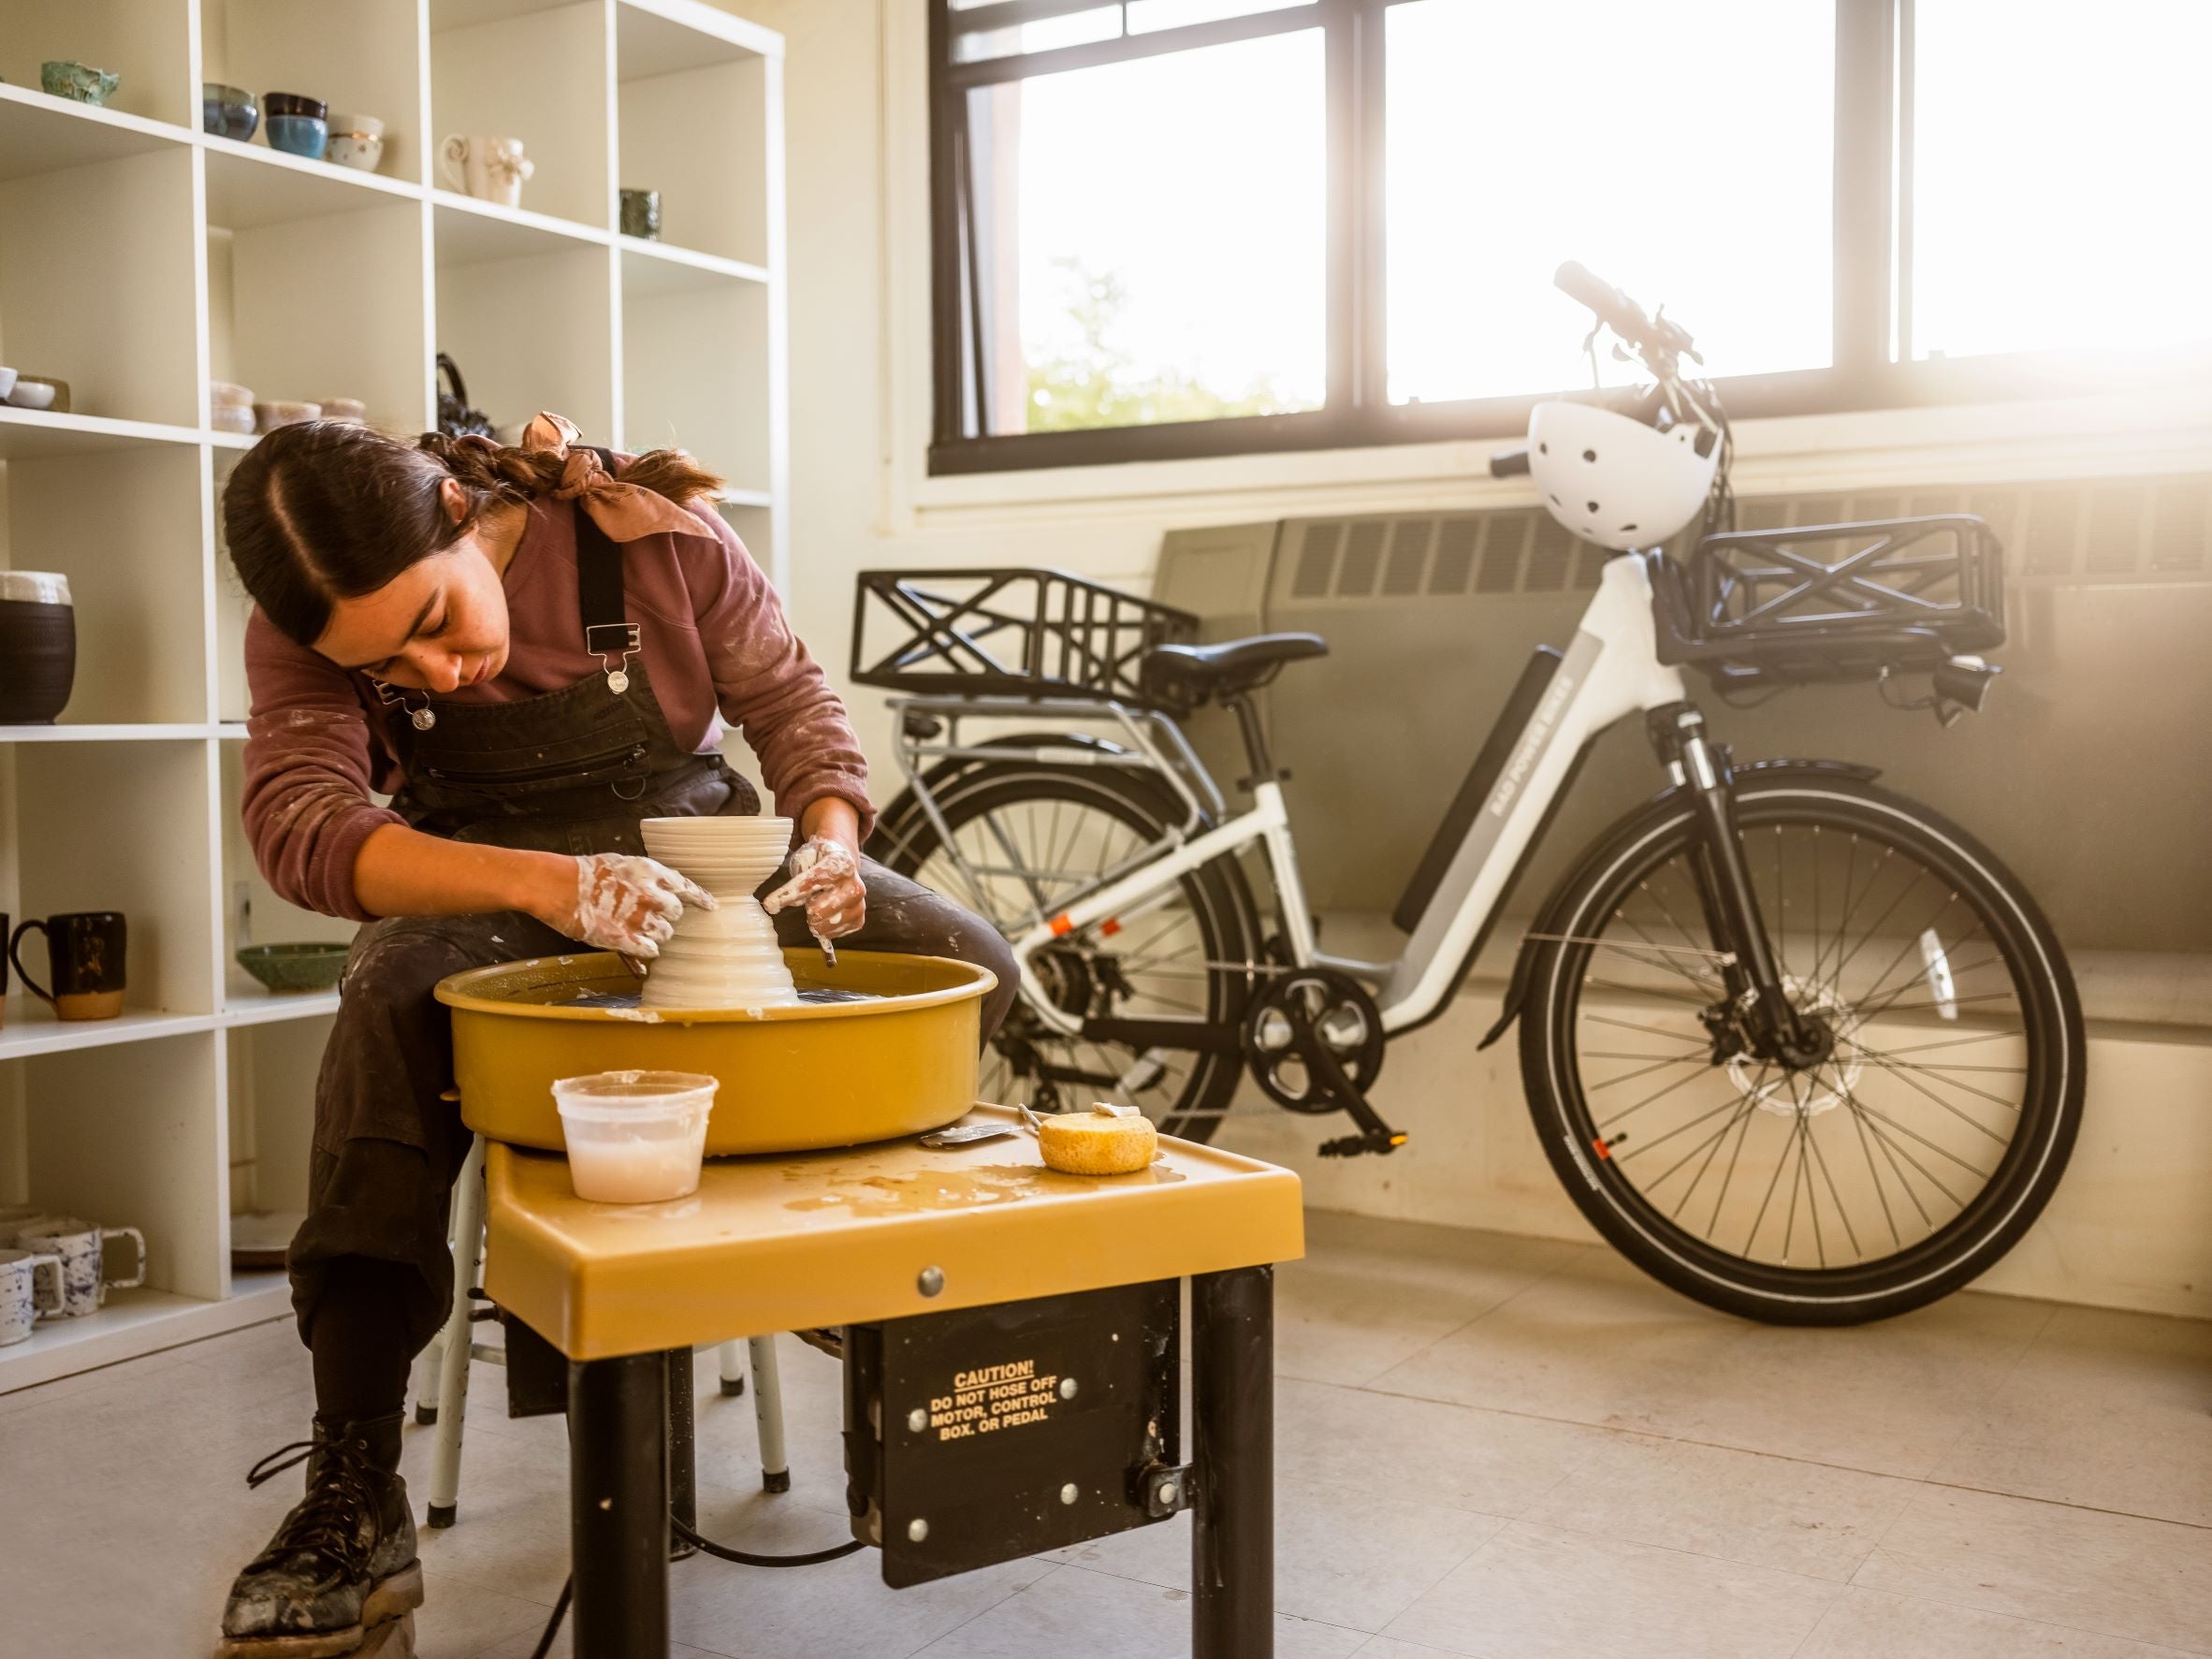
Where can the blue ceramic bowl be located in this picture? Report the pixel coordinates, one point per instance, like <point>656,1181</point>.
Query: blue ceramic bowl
<point>299,135</point>
<point>228,111</point>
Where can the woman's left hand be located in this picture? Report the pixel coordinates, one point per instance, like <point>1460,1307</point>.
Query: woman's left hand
<point>825,879</point>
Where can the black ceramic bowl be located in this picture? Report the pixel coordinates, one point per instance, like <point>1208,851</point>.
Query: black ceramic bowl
<point>294,104</point>
<point>38,661</point>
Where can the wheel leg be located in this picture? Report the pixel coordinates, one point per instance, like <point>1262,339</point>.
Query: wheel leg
<point>683,1461</point>
<point>767,1410</point>
<point>732,1363</point>
<point>618,1496</point>
<point>453,1369</point>
<point>1233,1538</point>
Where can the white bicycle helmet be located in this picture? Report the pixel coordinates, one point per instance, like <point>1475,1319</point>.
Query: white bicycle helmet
<point>1614,480</point>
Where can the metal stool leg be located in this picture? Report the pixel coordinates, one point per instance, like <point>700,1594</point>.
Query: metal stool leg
<point>767,1410</point>
<point>732,1363</point>
<point>430,1367</point>
<point>453,1378</point>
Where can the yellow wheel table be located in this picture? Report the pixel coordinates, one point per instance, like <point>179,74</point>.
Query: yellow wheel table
<point>1011,1338</point>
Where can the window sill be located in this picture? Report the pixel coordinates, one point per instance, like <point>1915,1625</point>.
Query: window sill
<point>2116,434</point>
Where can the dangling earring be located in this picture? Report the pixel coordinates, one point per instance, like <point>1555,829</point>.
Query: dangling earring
<point>423,718</point>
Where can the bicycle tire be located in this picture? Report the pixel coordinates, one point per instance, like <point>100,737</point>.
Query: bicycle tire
<point>1986,1224</point>
<point>1216,896</point>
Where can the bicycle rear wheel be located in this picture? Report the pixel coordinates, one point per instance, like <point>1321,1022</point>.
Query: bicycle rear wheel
<point>1906,1162</point>
<point>1030,839</point>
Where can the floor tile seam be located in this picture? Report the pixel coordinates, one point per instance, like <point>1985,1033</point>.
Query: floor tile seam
<point>2021,1497</point>
<point>1325,1624</point>
<point>2012,1369</point>
<point>1968,1606</point>
<point>1576,1423</point>
<point>1510,1297</point>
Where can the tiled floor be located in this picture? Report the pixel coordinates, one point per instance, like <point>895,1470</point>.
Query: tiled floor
<point>1487,1446</point>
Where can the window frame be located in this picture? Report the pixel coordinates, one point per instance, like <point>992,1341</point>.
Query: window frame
<point>1871,252</point>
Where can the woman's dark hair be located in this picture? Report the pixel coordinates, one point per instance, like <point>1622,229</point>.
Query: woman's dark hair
<point>327,510</point>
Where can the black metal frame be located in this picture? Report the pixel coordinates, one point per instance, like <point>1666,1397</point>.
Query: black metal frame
<point>1017,632</point>
<point>1874,73</point>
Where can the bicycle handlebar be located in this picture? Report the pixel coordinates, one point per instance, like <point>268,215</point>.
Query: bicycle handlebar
<point>1614,308</point>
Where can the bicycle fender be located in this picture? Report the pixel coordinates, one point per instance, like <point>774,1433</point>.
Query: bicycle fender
<point>1548,918</point>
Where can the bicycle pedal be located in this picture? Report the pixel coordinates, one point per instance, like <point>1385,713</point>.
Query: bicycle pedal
<point>1353,1145</point>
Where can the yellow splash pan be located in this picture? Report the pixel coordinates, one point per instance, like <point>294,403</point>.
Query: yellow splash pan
<point>793,1078</point>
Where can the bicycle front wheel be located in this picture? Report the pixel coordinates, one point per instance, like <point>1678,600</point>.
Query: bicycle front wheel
<point>1906,1161</point>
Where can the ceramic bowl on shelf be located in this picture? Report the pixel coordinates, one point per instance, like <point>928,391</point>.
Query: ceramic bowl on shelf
<point>39,391</point>
<point>230,417</point>
<point>294,968</point>
<point>298,124</point>
<point>37,646</point>
<point>6,381</point>
<point>63,78</point>
<point>223,394</point>
<point>355,141</point>
<point>281,103</point>
<point>228,111</point>
<point>347,409</point>
<point>284,412</point>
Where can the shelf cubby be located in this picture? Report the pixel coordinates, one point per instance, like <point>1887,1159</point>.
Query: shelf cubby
<point>696,367</point>
<point>135,573</point>
<point>97,284</point>
<point>361,58</point>
<point>536,74</point>
<point>146,42</point>
<point>693,112</point>
<point>252,914</point>
<point>532,332</point>
<point>273,1072</point>
<point>318,306</point>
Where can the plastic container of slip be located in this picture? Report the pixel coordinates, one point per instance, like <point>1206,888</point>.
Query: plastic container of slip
<point>635,1137</point>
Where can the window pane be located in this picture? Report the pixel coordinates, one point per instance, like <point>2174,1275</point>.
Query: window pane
<point>1150,238</point>
<point>1079,28</point>
<point>1684,153</point>
<point>1148,15</point>
<point>2059,178</point>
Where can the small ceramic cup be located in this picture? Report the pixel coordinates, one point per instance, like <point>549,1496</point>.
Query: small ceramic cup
<point>6,381</point>
<point>39,391</point>
<point>228,111</point>
<point>298,124</point>
<point>355,141</point>
<point>83,1248</point>
<point>63,78</point>
<point>486,167</point>
<point>285,413</point>
<point>30,1288</point>
<point>345,409</point>
<point>641,214</point>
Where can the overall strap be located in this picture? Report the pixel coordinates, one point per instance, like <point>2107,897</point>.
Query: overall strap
<point>608,633</point>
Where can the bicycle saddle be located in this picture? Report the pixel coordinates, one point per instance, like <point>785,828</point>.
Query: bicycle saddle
<point>1193,673</point>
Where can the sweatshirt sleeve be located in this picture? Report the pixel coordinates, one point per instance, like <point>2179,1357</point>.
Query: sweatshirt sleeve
<point>311,767</point>
<point>765,683</point>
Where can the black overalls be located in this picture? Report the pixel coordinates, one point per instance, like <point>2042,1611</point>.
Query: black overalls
<point>572,771</point>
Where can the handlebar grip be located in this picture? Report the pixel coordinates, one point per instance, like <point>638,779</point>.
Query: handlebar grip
<point>1614,308</point>
<point>1508,463</point>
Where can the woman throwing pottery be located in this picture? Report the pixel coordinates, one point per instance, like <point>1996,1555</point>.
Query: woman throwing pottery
<point>530,649</point>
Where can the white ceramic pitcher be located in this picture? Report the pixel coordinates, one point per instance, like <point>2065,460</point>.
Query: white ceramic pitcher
<point>486,167</point>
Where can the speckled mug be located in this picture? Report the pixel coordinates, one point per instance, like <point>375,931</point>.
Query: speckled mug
<point>30,1289</point>
<point>83,1248</point>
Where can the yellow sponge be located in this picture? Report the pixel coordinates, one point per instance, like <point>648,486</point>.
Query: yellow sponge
<point>1105,1141</point>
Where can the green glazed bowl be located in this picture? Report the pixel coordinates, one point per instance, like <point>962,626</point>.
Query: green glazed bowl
<point>294,968</point>
<point>62,78</point>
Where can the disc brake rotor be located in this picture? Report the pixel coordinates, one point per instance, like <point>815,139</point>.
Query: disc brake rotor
<point>1810,1093</point>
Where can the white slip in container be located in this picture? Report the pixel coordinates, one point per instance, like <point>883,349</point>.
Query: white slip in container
<point>635,1137</point>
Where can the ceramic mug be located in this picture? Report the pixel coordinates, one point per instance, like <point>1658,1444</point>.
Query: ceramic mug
<point>84,954</point>
<point>2,972</point>
<point>486,167</point>
<point>355,141</point>
<point>30,1287</point>
<point>82,1247</point>
<point>641,214</point>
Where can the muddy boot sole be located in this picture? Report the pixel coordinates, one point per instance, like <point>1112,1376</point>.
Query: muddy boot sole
<point>387,1630</point>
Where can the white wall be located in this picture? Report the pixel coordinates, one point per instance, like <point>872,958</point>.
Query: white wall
<point>2129,1228</point>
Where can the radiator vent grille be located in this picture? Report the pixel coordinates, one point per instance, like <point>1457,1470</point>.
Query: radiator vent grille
<point>2094,531</point>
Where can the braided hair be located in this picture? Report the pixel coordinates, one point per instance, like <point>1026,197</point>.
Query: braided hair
<point>327,510</point>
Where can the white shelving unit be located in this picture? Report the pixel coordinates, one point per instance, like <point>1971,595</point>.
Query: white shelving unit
<point>140,259</point>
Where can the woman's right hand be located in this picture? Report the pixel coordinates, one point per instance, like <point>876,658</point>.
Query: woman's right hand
<point>620,901</point>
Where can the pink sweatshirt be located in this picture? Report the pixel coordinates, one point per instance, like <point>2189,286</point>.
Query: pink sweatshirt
<point>718,648</point>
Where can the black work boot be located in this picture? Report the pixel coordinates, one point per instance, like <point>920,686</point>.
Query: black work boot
<point>340,1577</point>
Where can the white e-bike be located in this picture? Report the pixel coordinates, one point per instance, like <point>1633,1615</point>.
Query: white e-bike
<point>1796,1045</point>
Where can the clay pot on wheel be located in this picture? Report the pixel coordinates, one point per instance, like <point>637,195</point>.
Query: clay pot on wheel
<point>37,646</point>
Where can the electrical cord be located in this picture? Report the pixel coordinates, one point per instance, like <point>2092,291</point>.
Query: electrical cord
<point>719,1551</point>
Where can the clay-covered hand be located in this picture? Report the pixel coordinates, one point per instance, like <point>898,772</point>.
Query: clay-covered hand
<point>825,879</point>
<point>628,903</point>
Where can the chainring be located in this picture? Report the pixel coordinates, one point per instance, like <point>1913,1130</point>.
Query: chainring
<point>1304,1013</point>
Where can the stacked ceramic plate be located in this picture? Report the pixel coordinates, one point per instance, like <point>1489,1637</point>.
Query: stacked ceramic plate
<point>726,957</point>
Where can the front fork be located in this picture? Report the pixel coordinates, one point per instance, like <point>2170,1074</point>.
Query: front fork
<point>1732,916</point>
